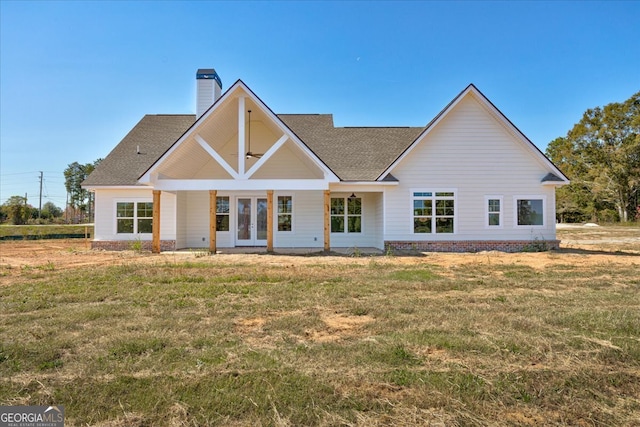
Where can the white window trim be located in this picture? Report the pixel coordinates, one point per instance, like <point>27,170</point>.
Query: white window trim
<point>486,212</point>
<point>346,216</point>
<point>434,191</point>
<point>530,197</point>
<point>293,212</point>
<point>135,201</point>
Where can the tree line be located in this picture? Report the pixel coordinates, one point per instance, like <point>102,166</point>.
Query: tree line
<point>601,157</point>
<point>79,206</point>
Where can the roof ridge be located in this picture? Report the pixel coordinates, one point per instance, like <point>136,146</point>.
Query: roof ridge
<point>379,127</point>
<point>171,114</point>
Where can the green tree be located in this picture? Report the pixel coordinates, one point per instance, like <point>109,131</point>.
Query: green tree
<point>50,211</point>
<point>79,199</point>
<point>601,155</point>
<point>17,210</point>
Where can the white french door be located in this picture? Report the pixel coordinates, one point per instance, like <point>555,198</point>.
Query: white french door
<point>251,224</point>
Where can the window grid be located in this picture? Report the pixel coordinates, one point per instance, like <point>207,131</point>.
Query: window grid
<point>433,212</point>
<point>134,217</point>
<point>494,212</point>
<point>285,213</point>
<point>222,213</point>
<point>346,211</point>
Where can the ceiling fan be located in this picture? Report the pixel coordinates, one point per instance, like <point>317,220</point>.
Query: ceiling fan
<point>249,154</point>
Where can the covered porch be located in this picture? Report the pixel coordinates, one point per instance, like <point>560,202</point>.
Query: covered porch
<point>317,220</point>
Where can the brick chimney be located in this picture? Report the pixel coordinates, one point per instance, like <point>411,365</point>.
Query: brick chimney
<point>208,89</point>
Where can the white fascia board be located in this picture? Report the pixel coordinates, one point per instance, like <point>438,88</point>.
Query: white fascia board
<point>554,183</point>
<point>367,186</point>
<point>116,187</point>
<point>240,184</point>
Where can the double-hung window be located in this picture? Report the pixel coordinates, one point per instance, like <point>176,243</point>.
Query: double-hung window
<point>433,212</point>
<point>134,217</point>
<point>285,213</point>
<point>493,211</point>
<point>346,215</point>
<point>222,213</point>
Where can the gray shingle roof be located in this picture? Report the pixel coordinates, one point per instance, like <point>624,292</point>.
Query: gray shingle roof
<point>154,134</point>
<point>353,154</point>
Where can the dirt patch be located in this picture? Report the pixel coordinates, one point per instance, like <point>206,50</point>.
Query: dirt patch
<point>603,246</point>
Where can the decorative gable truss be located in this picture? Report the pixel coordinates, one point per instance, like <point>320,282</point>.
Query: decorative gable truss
<point>238,144</point>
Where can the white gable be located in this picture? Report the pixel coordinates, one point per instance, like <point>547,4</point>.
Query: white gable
<point>480,119</point>
<point>216,148</point>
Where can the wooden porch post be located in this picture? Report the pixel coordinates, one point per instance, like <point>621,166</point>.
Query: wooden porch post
<point>327,220</point>
<point>213,208</point>
<point>269,220</point>
<point>155,228</point>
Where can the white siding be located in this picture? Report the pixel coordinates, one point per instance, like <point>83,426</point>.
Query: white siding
<point>181,222</point>
<point>197,219</point>
<point>371,224</point>
<point>308,220</point>
<point>105,219</point>
<point>472,152</point>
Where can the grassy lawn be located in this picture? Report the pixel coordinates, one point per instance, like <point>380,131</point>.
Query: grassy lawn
<point>43,230</point>
<point>366,342</point>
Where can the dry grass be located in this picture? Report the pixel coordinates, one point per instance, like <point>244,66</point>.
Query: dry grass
<point>440,339</point>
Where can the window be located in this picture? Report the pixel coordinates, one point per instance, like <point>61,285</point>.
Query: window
<point>530,211</point>
<point>433,212</point>
<point>134,217</point>
<point>346,215</point>
<point>493,211</point>
<point>285,213</point>
<point>222,213</point>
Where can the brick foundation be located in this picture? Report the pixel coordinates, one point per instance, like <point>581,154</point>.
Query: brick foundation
<point>475,245</point>
<point>127,245</point>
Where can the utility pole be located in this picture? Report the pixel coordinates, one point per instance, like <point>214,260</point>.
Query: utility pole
<point>40,204</point>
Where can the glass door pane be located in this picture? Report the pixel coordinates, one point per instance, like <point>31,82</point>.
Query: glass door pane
<point>261,219</point>
<point>244,220</point>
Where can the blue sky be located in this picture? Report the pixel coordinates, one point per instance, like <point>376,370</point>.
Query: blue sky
<point>75,77</point>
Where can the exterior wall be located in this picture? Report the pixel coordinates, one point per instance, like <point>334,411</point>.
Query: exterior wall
<point>105,214</point>
<point>371,235</point>
<point>196,220</point>
<point>471,153</point>
<point>181,222</point>
<point>308,220</point>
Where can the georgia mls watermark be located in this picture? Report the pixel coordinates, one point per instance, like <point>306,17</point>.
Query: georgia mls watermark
<point>31,416</point>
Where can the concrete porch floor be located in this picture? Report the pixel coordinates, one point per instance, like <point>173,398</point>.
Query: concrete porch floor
<point>287,251</point>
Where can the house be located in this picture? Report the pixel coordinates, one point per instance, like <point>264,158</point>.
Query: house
<point>238,174</point>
